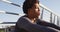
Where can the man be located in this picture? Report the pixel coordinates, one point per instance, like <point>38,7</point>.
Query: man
<point>30,22</point>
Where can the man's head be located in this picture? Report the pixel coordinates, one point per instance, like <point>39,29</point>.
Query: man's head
<point>31,7</point>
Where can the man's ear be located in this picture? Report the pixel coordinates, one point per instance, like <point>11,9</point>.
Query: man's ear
<point>29,11</point>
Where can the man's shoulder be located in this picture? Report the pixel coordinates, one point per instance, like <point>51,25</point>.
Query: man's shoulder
<point>40,20</point>
<point>23,19</point>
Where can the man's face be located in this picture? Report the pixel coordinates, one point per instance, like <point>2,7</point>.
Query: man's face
<point>35,10</point>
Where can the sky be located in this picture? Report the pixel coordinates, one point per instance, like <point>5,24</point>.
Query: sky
<point>54,5</point>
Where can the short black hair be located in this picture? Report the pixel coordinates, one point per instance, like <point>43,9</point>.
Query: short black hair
<point>28,4</point>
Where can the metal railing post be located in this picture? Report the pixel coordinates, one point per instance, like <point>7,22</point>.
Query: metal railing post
<point>51,17</point>
<point>54,19</point>
<point>57,20</point>
<point>42,13</point>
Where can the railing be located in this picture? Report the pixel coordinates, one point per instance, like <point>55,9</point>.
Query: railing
<point>54,18</point>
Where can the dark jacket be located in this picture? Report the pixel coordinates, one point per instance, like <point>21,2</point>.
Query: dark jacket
<point>24,25</point>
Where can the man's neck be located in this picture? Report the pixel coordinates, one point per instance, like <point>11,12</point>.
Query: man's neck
<point>32,19</point>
